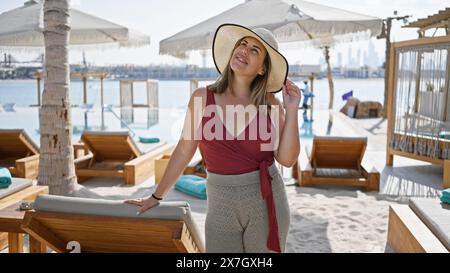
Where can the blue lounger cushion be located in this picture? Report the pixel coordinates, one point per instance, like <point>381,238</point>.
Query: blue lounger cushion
<point>446,193</point>
<point>445,199</point>
<point>193,185</point>
<point>5,178</point>
<point>144,139</point>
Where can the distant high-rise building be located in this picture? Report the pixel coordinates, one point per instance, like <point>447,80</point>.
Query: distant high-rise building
<point>339,59</point>
<point>350,61</point>
<point>372,58</point>
<point>358,58</point>
<point>366,59</point>
<point>322,62</point>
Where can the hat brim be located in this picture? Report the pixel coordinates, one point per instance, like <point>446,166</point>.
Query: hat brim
<point>226,37</point>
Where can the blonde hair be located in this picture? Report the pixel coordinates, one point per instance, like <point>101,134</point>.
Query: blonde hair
<point>258,87</point>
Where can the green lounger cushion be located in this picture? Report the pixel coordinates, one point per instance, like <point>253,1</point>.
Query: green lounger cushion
<point>5,178</point>
<point>148,139</point>
<point>445,199</point>
<point>446,193</point>
<point>193,185</point>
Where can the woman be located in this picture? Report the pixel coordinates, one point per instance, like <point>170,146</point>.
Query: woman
<point>247,205</point>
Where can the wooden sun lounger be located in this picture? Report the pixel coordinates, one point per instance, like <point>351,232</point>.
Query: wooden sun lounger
<point>195,167</point>
<point>408,233</point>
<point>337,161</point>
<point>21,189</point>
<point>115,154</point>
<point>112,226</point>
<point>19,153</point>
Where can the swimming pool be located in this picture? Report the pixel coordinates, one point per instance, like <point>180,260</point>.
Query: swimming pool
<point>164,123</point>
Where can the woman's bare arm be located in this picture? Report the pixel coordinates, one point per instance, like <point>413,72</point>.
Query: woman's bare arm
<point>186,146</point>
<point>289,140</point>
<point>183,152</point>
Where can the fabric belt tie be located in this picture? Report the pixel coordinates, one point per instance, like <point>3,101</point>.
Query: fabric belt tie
<point>273,242</point>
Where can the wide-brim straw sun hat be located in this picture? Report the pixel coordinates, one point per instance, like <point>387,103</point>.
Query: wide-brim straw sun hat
<point>226,37</point>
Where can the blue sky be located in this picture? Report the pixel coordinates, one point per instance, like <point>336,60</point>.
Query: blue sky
<point>163,18</point>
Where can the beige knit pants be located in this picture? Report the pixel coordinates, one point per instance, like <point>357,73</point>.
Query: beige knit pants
<point>237,218</point>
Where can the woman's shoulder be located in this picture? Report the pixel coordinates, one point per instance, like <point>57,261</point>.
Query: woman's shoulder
<point>200,92</point>
<point>199,95</point>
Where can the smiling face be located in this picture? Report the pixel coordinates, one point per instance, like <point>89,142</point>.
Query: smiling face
<point>248,57</point>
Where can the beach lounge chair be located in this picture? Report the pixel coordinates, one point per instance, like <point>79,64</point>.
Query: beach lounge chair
<point>422,226</point>
<point>19,153</point>
<point>20,189</point>
<point>115,154</point>
<point>195,167</point>
<point>112,226</point>
<point>337,161</point>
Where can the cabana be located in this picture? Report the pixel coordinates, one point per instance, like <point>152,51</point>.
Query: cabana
<point>418,102</point>
<point>127,93</point>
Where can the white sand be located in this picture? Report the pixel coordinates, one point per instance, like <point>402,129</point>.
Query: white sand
<point>333,220</point>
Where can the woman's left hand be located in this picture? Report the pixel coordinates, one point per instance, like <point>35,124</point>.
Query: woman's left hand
<point>291,95</point>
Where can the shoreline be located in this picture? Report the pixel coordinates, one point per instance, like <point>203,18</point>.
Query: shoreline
<point>17,81</point>
<point>183,80</point>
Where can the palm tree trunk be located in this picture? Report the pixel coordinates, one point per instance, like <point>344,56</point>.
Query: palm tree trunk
<point>56,164</point>
<point>329,76</point>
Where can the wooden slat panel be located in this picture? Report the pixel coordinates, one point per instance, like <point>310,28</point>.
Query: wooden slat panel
<point>109,147</point>
<point>422,41</point>
<point>141,168</point>
<point>436,20</point>
<point>15,242</point>
<point>361,182</point>
<point>27,167</point>
<point>335,153</point>
<point>37,246</point>
<point>17,144</point>
<point>417,157</point>
<point>40,232</point>
<point>3,240</point>
<point>115,234</point>
<point>95,173</point>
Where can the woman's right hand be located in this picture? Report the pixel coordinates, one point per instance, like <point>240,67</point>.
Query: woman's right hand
<point>144,203</point>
